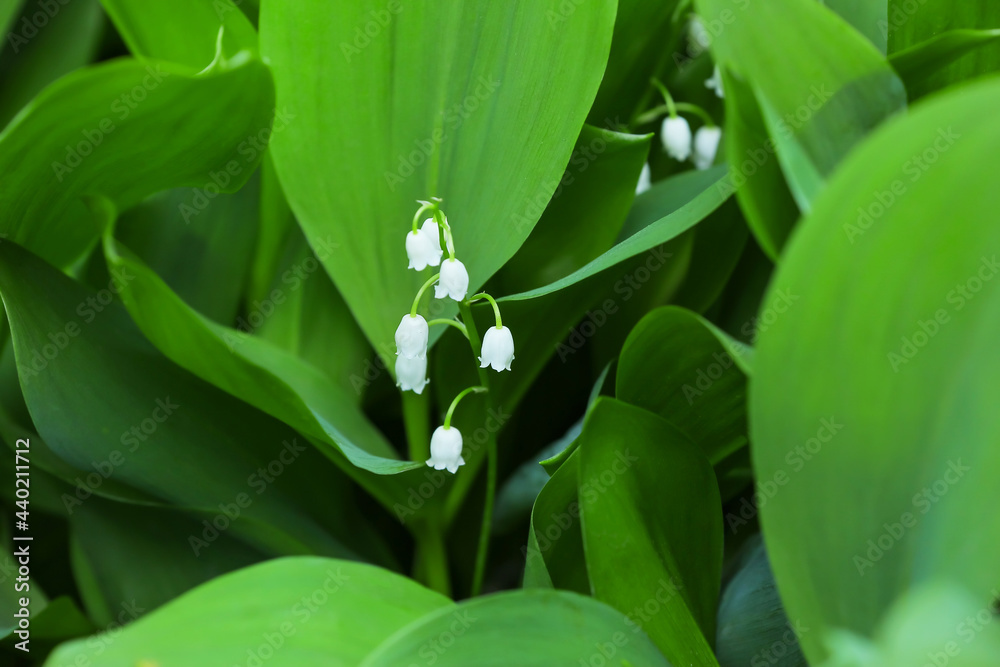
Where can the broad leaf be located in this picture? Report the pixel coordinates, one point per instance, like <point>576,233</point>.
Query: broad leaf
<point>459,100</point>
<point>877,415</point>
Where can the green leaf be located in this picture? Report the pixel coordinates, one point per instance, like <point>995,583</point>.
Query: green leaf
<point>554,554</point>
<point>585,214</point>
<point>255,371</point>
<point>752,624</point>
<point>203,255</point>
<point>300,612</point>
<point>893,390</point>
<point>8,12</point>
<point>931,25</point>
<point>920,62</point>
<point>666,211</point>
<point>822,87</point>
<point>867,17</point>
<point>535,628</point>
<point>182,31</point>
<point>105,402</point>
<point>683,368</point>
<point>65,42</point>
<point>652,527</point>
<point>718,244</point>
<point>99,132</point>
<point>457,99</point>
<point>115,546</point>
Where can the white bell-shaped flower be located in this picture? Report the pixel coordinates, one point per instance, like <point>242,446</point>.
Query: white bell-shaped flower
<point>411,337</point>
<point>411,373</point>
<point>431,230</point>
<point>715,83</point>
<point>454,281</point>
<point>676,137</point>
<point>421,251</point>
<point>498,349</point>
<point>645,180</point>
<point>446,449</point>
<point>706,143</point>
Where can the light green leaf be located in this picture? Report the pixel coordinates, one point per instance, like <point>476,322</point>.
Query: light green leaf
<point>99,132</point>
<point>301,612</point>
<point>890,438</point>
<point>933,57</point>
<point>182,31</point>
<point>867,16</point>
<point>535,628</point>
<point>652,527</point>
<point>459,100</point>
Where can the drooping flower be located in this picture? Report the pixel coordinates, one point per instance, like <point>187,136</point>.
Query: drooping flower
<point>454,281</point>
<point>645,180</point>
<point>676,137</point>
<point>422,249</point>
<point>446,449</point>
<point>715,83</point>
<point>706,143</point>
<point>411,373</point>
<point>433,233</point>
<point>411,337</point>
<point>498,349</point>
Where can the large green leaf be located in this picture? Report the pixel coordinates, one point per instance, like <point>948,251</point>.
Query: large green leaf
<point>930,62</point>
<point>182,31</point>
<point>873,420</point>
<point>101,131</point>
<point>254,370</point>
<point>109,405</point>
<point>652,527</point>
<point>929,24</point>
<point>291,612</point>
<point>526,628</point>
<point>461,101</point>
<point>34,57</point>
<point>820,85</point>
<point>867,16</point>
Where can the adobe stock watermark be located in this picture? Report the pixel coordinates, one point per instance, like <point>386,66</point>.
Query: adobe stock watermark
<point>301,613</point>
<point>707,375</point>
<point>259,482</point>
<point>796,458</point>
<point>249,149</point>
<point>131,439</point>
<point>32,22</point>
<point>591,491</point>
<point>625,288</point>
<point>922,503</point>
<point>370,29</point>
<point>432,649</point>
<point>965,630</point>
<point>958,298</point>
<point>914,168</point>
<point>454,117</point>
<point>120,109</point>
<point>776,651</point>
<point>418,495</point>
<point>782,300</point>
<point>89,309</point>
<point>260,311</point>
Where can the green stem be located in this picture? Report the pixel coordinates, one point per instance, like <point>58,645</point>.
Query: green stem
<point>455,323</point>
<point>491,454</point>
<point>687,107</point>
<point>424,206</point>
<point>430,563</point>
<point>671,107</point>
<point>420,292</point>
<point>496,308</point>
<point>416,419</point>
<point>454,403</point>
<point>697,110</point>
<point>449,241</point>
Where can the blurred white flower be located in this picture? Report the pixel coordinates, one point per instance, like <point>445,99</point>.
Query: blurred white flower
<point>675,133</point>
<point>715,83</point>
<point>706,144</point>
<point>645,180</point>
